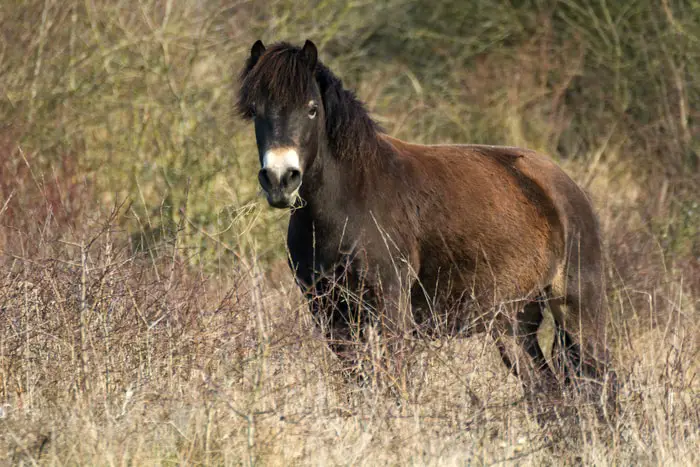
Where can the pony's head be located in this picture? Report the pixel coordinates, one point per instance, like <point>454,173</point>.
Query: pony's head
<point>280,94</point>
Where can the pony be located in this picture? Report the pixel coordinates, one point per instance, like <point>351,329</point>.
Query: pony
<point>422,239</point>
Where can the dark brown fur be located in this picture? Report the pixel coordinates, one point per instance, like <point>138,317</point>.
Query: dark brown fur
<point>459,229</point>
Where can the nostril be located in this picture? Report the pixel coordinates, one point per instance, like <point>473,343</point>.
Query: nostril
<point>264,179</point>
<point>294,176</point>
<point>291,179</point>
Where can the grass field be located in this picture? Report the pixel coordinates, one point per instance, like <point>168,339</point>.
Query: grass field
<point>147,314</point>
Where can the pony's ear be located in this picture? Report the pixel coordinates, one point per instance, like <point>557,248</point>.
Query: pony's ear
<point>310,53</point>
<point>257,50</point>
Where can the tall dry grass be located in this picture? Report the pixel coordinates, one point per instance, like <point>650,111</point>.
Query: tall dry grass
<point>114,357</point>
<point>147,315</point>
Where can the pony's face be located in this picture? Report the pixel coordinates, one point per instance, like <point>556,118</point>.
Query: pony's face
<point>287,140</point>
<point>287,118</point>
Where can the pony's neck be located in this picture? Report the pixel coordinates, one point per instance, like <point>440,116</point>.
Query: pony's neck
<point>351,133</point>
<point>352,158</point>
<point>324,185</point>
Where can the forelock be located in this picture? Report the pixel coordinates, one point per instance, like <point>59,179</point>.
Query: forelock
<point>281,75</point>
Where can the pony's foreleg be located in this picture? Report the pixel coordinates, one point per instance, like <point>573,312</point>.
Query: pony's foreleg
<point>396,326</point>
<point>337,317</point>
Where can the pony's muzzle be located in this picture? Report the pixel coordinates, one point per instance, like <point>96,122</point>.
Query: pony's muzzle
<point>280,186</point>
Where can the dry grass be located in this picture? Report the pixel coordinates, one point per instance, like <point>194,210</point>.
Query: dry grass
<point>111,357</point>
<point>147,315</point>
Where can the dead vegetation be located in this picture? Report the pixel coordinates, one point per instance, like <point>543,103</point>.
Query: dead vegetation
<point>147,315</point>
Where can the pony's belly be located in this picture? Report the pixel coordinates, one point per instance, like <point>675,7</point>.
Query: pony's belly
<point>463,302</point>
<point>443,305</point>
<point>467,276</point>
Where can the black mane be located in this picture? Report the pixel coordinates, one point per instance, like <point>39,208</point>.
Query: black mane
<point>283,75</point>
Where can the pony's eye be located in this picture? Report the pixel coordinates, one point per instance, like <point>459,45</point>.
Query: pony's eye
<point>313,110</point>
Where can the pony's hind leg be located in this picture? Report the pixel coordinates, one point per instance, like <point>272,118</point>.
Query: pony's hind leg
<point>581,333</point>
<point>579,352</point>
<point>520,350</point>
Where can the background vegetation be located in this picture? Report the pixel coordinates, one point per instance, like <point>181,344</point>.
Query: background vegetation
<point>146,312</point>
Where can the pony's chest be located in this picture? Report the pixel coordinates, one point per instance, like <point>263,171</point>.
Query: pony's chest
<point>318,248</point>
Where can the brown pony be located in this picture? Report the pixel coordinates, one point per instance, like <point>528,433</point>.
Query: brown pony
<point>415,238</point>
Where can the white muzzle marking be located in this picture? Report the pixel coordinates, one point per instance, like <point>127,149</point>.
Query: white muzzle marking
<point>279,160</point>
